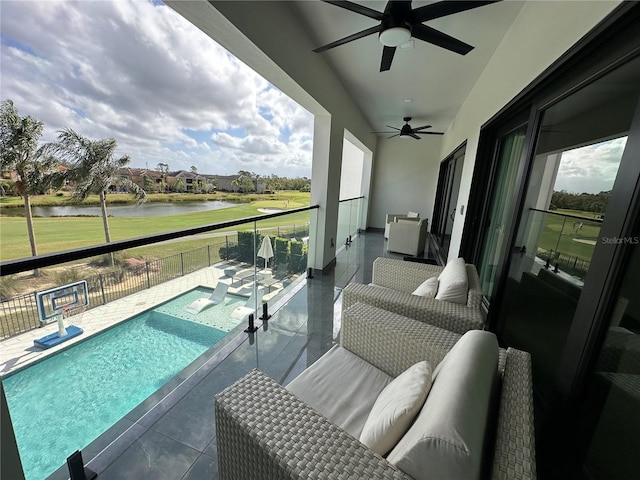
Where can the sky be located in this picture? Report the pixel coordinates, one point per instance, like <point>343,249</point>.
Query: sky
<point>138,72</point>
<point>590,169</point>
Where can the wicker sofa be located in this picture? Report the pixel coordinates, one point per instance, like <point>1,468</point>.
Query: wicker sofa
<point>265,432</point>
<point>394,280</point>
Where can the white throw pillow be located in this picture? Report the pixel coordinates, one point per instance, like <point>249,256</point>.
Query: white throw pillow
<point>447,438</point>
<point>413,215</point>
<point>428,288</point>
<point>396,407</point>
<point>453,283</point>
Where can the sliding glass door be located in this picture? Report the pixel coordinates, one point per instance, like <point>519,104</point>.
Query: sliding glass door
<point>444,214</point>
<point>559,252</point>
<point>502,208</point>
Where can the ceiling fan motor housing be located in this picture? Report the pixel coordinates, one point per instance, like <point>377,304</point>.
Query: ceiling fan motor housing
<point>396,24</point>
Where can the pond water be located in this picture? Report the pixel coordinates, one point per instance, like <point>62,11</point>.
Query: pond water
<point>156,209</point>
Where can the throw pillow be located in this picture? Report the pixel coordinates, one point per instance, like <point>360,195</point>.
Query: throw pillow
<point>396,407</point>
<point>428,288</point>
<point>413,214</point>
<point>453,283</point>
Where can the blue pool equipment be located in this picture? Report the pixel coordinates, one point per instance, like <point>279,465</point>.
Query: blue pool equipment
<point>54,339</point>
<point>54,304</point>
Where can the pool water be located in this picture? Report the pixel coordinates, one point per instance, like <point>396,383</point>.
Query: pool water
<point>65,402</point>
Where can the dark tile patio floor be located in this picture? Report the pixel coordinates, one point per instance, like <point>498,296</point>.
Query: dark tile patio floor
<point>172,434</point>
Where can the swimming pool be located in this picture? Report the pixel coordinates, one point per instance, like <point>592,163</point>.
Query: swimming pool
<point>66,401</point>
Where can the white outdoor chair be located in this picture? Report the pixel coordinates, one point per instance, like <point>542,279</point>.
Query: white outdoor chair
<point>254,301</point>
<point>205,302</point>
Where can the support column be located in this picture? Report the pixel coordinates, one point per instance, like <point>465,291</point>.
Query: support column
<point>325,189</point>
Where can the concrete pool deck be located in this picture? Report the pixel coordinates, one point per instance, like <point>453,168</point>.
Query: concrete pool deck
<point>19,352</point>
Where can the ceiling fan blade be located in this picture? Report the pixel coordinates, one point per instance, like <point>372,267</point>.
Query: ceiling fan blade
<point>350,38</point>
<point>395,128</point>
<point>387,58</point>
<point>422,127</point>
<point>431,35</point>
<point>442,9</point>
<point>382,132</point>
<point>396,135</point>
<point>414,136</point>
<point>354,7</point>
<point>429,133</point>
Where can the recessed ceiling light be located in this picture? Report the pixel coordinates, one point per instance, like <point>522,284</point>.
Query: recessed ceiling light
<point>407,100</point>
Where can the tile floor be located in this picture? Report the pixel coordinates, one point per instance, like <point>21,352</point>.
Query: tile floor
<point>171,435</point>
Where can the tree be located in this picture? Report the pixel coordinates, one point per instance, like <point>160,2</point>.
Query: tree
<point>149,185</point>
<point>194,169</point>
<point>163,168</point>
<point>94,168</point>
<point>19,151</point>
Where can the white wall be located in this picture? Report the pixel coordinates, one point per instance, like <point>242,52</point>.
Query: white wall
<point>405,177</point>
<point>352,169</point>
<point>540,34</point>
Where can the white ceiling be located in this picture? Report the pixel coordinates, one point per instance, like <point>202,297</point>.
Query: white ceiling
<point>435,79</point>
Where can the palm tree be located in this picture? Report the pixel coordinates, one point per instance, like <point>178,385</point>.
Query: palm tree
<point>94,169</point>
<point>19,151</point>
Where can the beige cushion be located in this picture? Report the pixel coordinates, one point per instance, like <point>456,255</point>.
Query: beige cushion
<point>342,387</point>
<point>428,288</point>
<point>413,214</point>
<point>447,439</point>
<point>396,407</point>
<point>453,284</point>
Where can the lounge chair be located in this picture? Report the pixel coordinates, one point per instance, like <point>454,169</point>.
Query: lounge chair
<point>250,306</point>
<point>205,302</point>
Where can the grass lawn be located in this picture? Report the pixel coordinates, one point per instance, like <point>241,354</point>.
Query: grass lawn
<point>564,235</point>
<point>64,233</point>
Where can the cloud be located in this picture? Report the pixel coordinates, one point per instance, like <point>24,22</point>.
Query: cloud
<point>590,169</point>
<point>140,73</point>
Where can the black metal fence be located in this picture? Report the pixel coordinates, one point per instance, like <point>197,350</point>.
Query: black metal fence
<point>20,314</point>
<point>567,263</point>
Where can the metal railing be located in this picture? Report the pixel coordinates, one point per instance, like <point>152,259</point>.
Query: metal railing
<point>20,313</point>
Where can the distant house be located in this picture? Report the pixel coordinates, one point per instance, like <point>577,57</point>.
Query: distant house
<point>233,183</point>
<point>185,181</point>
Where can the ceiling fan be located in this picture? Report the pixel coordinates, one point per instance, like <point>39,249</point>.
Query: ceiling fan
<point>399,23</point>
<point>407,131</point>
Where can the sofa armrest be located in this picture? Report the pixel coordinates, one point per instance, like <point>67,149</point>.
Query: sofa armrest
<point>400,275</point>
<point>450,316</point>
<point>392,342</point>
<point>264,432</point>
<point>514,456</point>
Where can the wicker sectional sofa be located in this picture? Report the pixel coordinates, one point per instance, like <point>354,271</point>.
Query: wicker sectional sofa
<point>266,432</point>
<point>394,280</point>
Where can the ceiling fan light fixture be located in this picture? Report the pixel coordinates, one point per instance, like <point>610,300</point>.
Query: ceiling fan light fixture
<point>395,36</point>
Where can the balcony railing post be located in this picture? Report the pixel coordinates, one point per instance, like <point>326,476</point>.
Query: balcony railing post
<point>181,264</point>
<point>226,250</point>
<point>146,264</point>
<point>208,255</point>
<point>102,294</point>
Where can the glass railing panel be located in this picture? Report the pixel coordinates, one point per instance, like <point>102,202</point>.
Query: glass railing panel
<point>566,242</point>
<point>349,218</point>
<point>344,215</point>
<point>161,285</point>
